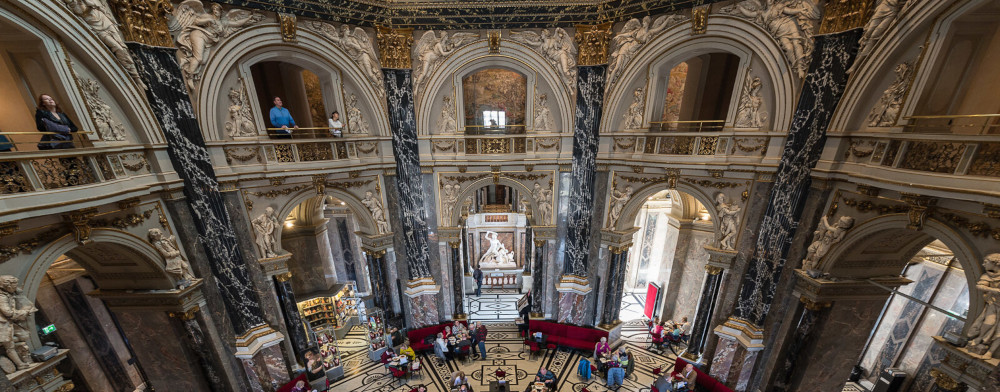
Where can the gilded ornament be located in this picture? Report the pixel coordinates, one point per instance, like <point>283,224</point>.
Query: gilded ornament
<point>592,41</point>
<point>713,270</point>
<point>493,38</point>
<point>699,19</point>
<point>8,228</point>
<point>144,21</point>
<point>812,305</point>
<point>288,28</point>
<point>394,47</point>
<point>845,15</point>
<point>944,381</point>
<point>189,314</point>
<point>79,221</point>
<point>242,154</point>
<point>918,209</point>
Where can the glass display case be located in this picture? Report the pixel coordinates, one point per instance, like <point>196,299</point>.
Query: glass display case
<point>377,334</point>
<point>335,308</point>
<point>329,351</point>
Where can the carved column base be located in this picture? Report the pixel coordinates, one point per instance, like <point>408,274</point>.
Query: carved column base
<point>422,294</point>
<point>266,369</point>
<point>573,292</point>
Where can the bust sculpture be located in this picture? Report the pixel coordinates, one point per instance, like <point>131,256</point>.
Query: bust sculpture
<point>984,336</point>
<point>14,316</point>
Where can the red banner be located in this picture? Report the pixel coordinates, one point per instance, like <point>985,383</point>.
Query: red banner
<point>652,293</point>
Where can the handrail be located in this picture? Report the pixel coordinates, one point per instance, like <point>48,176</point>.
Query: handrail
<point>45,133</point>
<point>954,121</point>
<point>687,121</point>
<point>951,116</point>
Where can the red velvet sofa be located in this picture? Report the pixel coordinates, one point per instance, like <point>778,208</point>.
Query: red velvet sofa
<point>581,338</point>
<point>704,381</point>
<point>417,336</point>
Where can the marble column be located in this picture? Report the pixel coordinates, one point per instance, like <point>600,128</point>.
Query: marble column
<point>457,276</point>
<point>615,285</point>
<point>290,312</point>
<point>191,324</point>
<point>377,274</point>
<point>809,314</point>
<point>703,316</point>
<point>537,279</point>
<point>168,98</point>
<point>822,89</point>
<point>422,290</point>
<point>311,262</point>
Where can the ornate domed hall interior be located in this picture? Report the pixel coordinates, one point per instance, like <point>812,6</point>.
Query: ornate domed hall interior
<point>537,196</point>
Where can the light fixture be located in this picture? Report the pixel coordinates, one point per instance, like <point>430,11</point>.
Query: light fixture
<point>289,224</point>
<point>342,203</point>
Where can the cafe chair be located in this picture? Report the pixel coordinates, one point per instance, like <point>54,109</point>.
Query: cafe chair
<point>398,374</point>
<point>417,368</point>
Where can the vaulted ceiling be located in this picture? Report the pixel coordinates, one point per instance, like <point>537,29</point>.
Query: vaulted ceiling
<point>451,14</point>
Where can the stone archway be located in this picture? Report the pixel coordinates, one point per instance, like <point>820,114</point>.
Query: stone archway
<point>532,208</point>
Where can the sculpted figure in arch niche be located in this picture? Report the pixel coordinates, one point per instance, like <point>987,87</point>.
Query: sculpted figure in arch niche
<point>266,226</point>
<point>378,213</point>
<point>240,122</point>
<point>176,265</point>
<point>544,199</point>
<point>449,198</point>
<point>825,236</point>
<point>543,116</point>
<point>633,117</point>
<point>618,200</point>
<point>985,331</point>
<point>729,221</point>
<point>447,124</point>
<point>431,49</point>
<point>885,13</point>
<point>15,310</point>
<point>790,22</point>
<point>355,121</point>
<point>198,30</point>
<point>633,35</point>
<point>751,113</point>
<point>97,15</point>
<point>556,46</point>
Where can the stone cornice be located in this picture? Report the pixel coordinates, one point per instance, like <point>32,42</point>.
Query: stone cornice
<point>828,290</point>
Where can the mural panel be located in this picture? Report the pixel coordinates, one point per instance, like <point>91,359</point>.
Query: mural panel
<point>495,101</point>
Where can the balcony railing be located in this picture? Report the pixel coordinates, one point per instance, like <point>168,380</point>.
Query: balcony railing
<point>9,143</point>
<point>497,144</point>
<point>972,155</point>
<point>687,126</point>
<point>55,169</point>
<point>961,124</point>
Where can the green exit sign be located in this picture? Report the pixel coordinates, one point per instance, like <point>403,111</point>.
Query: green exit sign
<point>49,329</point>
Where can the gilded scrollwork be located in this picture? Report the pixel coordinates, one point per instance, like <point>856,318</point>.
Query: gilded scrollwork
<point>63,172</point>
<point>13,178</point>
<point>940,157</point>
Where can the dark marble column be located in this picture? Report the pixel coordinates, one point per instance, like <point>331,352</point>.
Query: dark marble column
<point>195,340</point>
<point>290,312</point>
<point>380,286</point>
<point>810,313</point>
<point>703,316</point>
<point>457,278</point>
<point>615,285</point>
<point>538,278</point>
<point>93,332</point>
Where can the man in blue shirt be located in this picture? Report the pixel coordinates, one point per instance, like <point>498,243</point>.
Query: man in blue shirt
<point>281,118</point>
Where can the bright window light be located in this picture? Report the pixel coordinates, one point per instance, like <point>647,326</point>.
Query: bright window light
<point>494,118</point>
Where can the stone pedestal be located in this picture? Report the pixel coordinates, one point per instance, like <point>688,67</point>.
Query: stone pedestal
<point>573,292</point>
<point>736,353</point>
<point>42,376</point>
<point>422,295</point>
<point>961,370</point>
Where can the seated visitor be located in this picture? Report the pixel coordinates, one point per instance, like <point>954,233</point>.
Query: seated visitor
<point>458,378</point>
<point>336,127</point>
<point>685,326</point>
<point>447,332</point>
<point>397,336</point>
<point>58,128</point>
<point>657,328</point>
<point>440,346</point>
<point>547,377</point>
<point>616,373</point>
<point>406,350</point>
<point>300,386</point>
<point>419,388</point>
<point>315,370</point>
<point>602,348</point>
<point>685,379</point>
<point>661,384</point>
<point>281,118</point>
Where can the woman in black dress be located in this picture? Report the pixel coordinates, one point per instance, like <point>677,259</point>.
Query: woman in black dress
<point>58,128</point>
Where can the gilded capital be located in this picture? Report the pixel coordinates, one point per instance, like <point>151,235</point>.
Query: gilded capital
<point>283,277</point>
<point>144,21</point>
<point>454,244</point>
<point>713,270</point>
<point>394,47</point>
<point>592,43</point>
<point>845,15</point>
<point>539,243</point>
<point>945,382</point>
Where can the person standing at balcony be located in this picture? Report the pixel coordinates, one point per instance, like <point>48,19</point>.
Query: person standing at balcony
<point>281,118</point>
<point>54,123</point>
<point>336,127</point>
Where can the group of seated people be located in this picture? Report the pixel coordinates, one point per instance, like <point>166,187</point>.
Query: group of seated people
<point>455,338</point>
<point>683,381</point>
<point>669,331</point>
<point>545,380</point>
<point>614,364</point>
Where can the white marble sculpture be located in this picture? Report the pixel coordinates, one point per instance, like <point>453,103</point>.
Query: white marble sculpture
<point>108,127</point>
<point>240,122</point>
<point>543,197</point>
<point>883,16</point>
<point>632,37</point>
<point>433,48</point>
<point>886,110</point>
<point>266,227</point>
<point>790,22</point>
<point>825,236</point>
<point>497,256</point>
<point>175,264</point>
<point>543,116</point>
<point>378,213</point>
<point>729,221</point>
<point>557,47</point>
<point>750,112</point>
<point>356,123</point>
<point>15,311</point>
<point>447,124</point>
<point>984,334</point>
<point>449,198</point>
<point>197,30</point>
<point>359,48</point>
<point>98,17</point>
<point>635,113</point>
<point>618,200</point>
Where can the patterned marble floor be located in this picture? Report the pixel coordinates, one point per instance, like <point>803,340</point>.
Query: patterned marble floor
<point>632,306</point>
<point>504,352</point>
<point>492,307</point>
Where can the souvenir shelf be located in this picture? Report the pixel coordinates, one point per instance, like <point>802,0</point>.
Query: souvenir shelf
<point>335,308</point>
<point>329,351</point>
<point>376,332</point>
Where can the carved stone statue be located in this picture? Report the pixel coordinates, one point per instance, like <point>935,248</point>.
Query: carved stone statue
<point>378,213</point>
<point>751,113</point>
<point>984,334</point>
<point>14,314</point>
<point>197,30</point>
<point>636,111</point>
<point>447,124</point>
<point>431,49</point>
<point>886,110</point>
<point>729,221</point>
<point>355,121</point>
<point>266,226</point>
<point>175,264</point>
<point>497,256</point>
<point>240,123</point>
<point>359,48</point>
<point>618,200</point>
<point>544,199</point>
<point>449,198</point>
<point>97,15</point>
<point>632,37</point>
<point>107,125</point>
<point>825,236</point>
<point>883,16</point>
<point>557,47</point>
<point>790,22</point>
<point>543,116</point>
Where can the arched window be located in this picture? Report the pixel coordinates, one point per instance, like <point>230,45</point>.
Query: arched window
<point>696,93</point>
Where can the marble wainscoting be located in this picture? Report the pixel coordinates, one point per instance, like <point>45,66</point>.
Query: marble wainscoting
<point>158,343</point>
<point>722,362</point>
<point>691,273</point>
<point>425,310</point>
<point>838,335</point>
<point>572,308</point>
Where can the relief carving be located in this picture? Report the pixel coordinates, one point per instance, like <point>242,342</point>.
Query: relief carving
<point>355,121</point>
<point>197,30</point>
<point>632,37</point>
<point>449,198</point>
<point>543,116</point>
<point>378,213</point>
<point>751,113</point>
<point>15,311</point>
<point>636,111</point>
<point>266,227</point>
<point>882,18</point>
<point>240,123</point>
<point>359,47</point>
<point>543,197</point>
<point>984,334</point>
<point>175,264</point>
<point>618,200</point>
<point>886,110</point>
<point>100,20</point>
<point>108,127</point>
<point>729,221</point>
<point>447,124</point>
<point>825,236</point>
<point>430,50</point>
<point>791,23</point>
<point>556,46</point>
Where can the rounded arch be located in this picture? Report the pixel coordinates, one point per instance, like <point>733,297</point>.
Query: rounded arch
<point>861,237</point>
<point>62,33</point>
<point>503,180</point>
<point>117,260</point>
<point>724,34</point>
<point>263,42</point>
<point>475,56</point>
<point>683,194</point>
<point>314,203</point>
